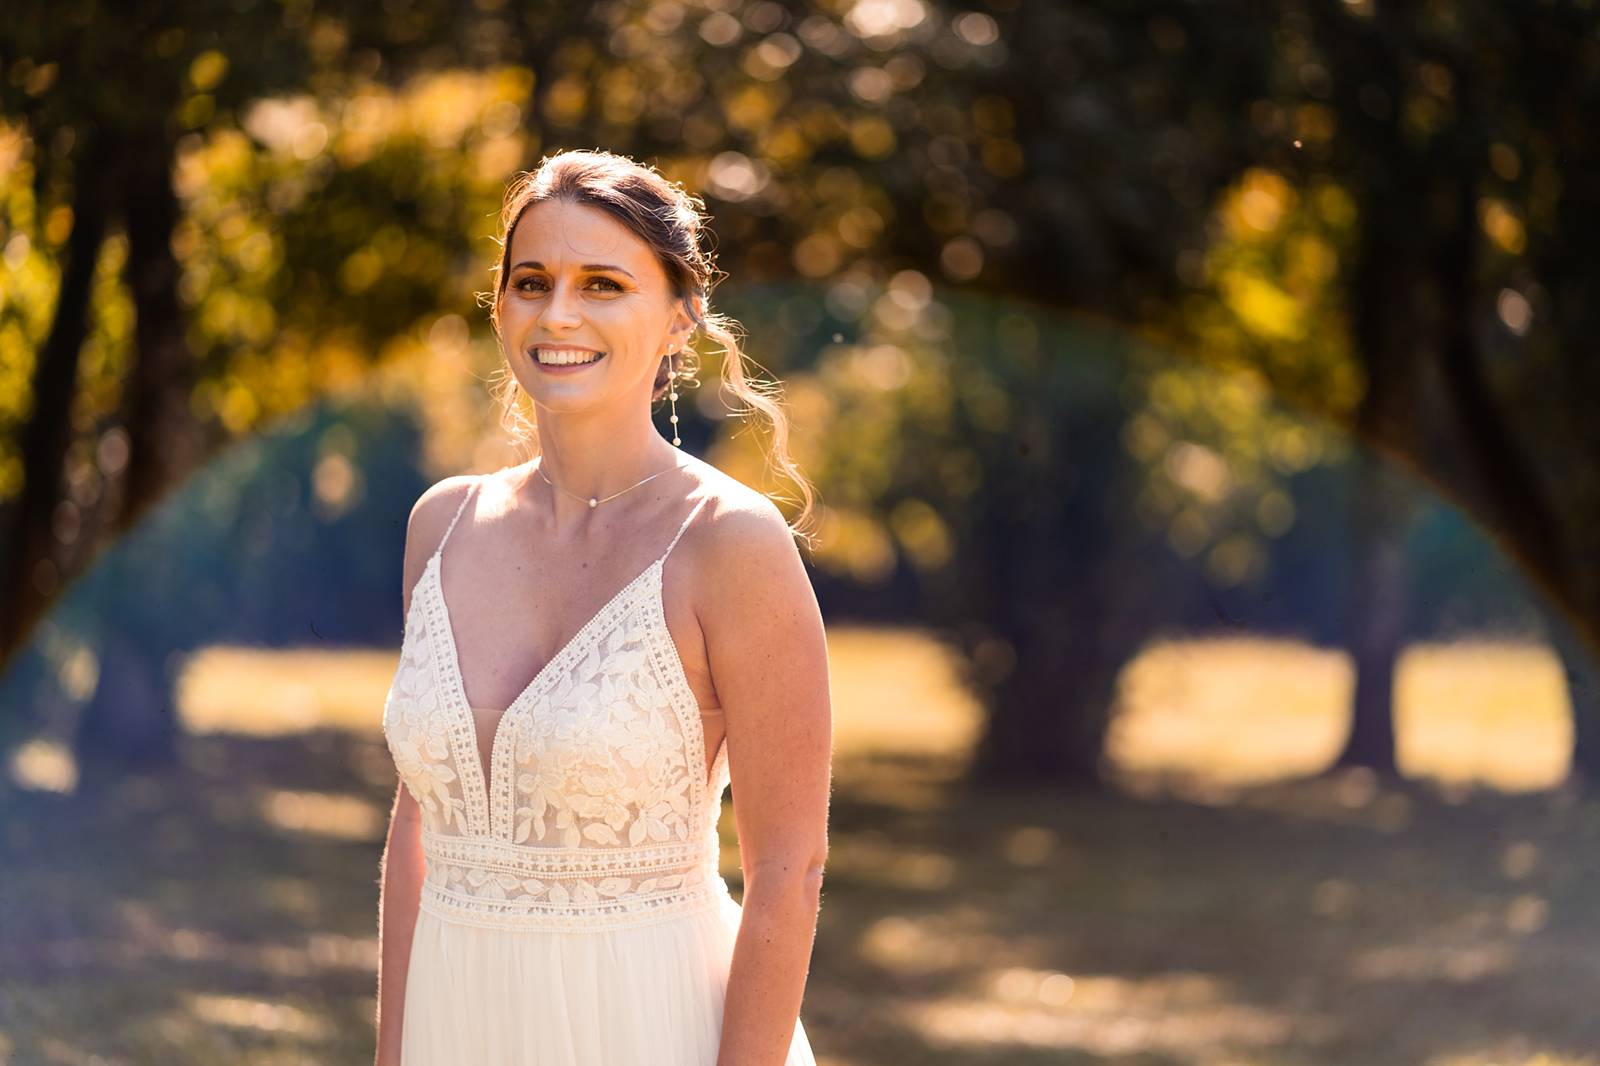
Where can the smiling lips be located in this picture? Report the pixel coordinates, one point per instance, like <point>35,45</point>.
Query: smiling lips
<point>565,355</point>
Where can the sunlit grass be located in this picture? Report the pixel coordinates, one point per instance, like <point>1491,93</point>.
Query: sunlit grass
<point>271,693</point>
<point>243,1012</point>
<point>1512,1051</point>
<point>1234,711</point>
<point>44,765</point>
<point>893,692</point>
<point>1241,710</point>
<point>327,814</point>
<point>1498,713</point>
<point>1169,1014</point>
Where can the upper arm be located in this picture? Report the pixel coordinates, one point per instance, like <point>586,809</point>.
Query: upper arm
<point>769,663</point>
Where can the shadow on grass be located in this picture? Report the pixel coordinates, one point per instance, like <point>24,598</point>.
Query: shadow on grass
<point>229,914</point>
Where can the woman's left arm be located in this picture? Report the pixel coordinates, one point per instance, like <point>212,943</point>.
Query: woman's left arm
<point>769,665</point>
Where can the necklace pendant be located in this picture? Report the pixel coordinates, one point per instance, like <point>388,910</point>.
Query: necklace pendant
<point>593,502</point>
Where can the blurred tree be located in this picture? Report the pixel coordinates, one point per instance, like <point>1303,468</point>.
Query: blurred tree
<point>1454,133</point>
<point>1376,212</point>
<point>234,320</point>
<point>985,446</point>
<point>260,218</point>
<point>105,90</point>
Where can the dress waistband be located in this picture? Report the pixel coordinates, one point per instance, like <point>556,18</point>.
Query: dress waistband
<point>492,884</point>
<point>521,915</point>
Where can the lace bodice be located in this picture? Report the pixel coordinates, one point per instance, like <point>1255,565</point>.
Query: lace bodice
<point>597,812</point>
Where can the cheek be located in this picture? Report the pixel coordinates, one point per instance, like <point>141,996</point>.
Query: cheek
<point>623,325</point>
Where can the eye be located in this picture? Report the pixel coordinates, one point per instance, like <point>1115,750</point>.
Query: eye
<point>524,284</point>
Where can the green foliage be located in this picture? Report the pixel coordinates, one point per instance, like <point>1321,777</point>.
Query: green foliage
<point>1288,197</point>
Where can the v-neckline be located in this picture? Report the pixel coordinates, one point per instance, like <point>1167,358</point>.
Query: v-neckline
<point>460,686</point>
<point>464,723</point>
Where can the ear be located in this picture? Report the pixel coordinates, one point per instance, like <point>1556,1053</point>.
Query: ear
<point>686,314</point>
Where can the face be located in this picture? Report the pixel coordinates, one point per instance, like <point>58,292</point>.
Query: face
<point>582,283</point>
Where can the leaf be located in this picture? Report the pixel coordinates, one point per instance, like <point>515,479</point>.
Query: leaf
<point>600,833</point>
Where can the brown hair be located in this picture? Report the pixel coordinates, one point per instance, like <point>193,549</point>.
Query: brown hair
<point>673,223</point>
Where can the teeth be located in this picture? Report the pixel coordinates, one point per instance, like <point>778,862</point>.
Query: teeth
<point>564,358</point>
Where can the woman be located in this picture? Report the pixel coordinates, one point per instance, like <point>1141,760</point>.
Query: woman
<point>617,631</point>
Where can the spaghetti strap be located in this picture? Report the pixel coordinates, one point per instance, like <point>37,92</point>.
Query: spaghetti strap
<point>451,528</point>
<point>693,511</point>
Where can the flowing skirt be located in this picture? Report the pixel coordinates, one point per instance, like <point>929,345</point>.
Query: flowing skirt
<point>648,995</point>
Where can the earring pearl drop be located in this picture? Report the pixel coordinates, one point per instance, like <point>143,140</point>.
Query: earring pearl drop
<point>672,396</point>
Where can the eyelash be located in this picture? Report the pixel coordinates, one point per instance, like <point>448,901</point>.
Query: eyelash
<point>520,284</point>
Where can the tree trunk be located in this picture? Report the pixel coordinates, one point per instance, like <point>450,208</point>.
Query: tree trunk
<point>1066,585</point>
<point>162,438</point>
<point>129,723</point>
<point>1581,667</point>
<point>1389,341</point>
<point>1048,718</point>
<point>1382,507</point>
<point>29,577</point>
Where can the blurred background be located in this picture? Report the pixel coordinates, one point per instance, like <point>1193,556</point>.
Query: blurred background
<point>1202,400</point>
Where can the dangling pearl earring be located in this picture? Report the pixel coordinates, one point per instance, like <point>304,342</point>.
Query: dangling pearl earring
<point>672,397</point>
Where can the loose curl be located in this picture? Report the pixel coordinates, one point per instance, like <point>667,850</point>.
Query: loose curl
<point>673,223</point>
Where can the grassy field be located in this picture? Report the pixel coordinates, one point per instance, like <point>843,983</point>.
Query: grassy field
<point>1222,908</point>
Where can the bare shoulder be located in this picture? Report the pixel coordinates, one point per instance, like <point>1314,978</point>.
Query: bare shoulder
<point>430,516</point>
<point>746,559</point>
<point>437,505</point>
<point>741,523</point>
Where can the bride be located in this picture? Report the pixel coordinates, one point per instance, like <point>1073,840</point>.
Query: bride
<point>617,633</point>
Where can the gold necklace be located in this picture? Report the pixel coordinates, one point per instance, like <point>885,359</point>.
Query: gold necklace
<point>591,500</point>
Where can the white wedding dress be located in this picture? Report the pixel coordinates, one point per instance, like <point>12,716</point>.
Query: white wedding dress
<point>572,912</point>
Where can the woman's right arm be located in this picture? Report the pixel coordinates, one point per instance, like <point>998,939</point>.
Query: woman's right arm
<point>398,900</point>
<point>402,869</point>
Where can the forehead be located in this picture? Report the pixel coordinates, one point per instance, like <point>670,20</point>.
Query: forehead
<point>560,233</point>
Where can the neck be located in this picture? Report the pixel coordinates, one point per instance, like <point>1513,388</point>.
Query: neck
<point>589,455</point>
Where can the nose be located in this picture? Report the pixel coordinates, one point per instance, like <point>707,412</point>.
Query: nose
<point>560,309</point>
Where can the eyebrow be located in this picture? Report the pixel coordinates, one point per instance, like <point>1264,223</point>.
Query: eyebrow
<point>536,265</point>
